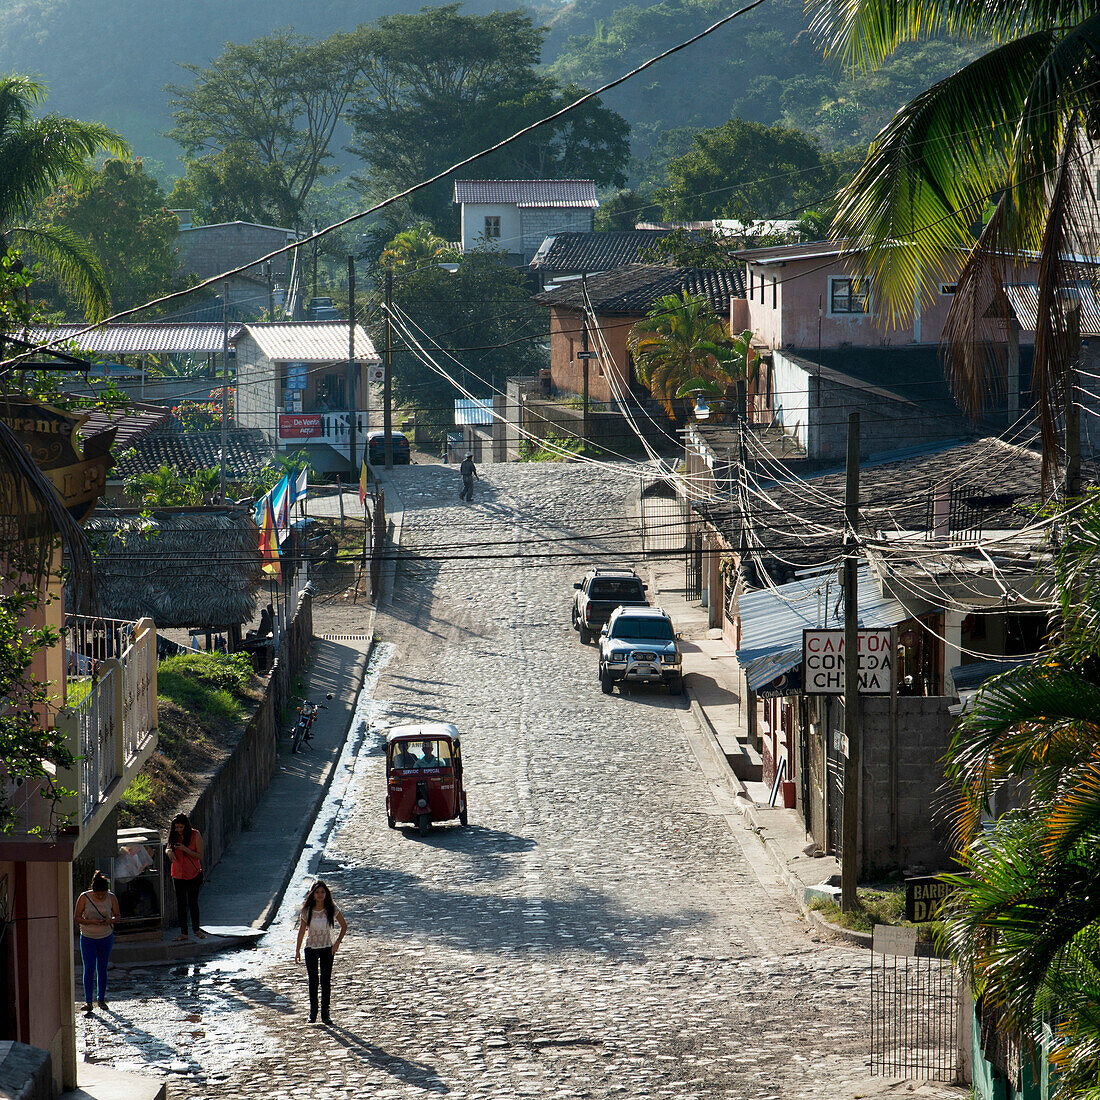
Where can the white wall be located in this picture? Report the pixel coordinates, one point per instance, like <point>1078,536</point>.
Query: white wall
<point>792,395</point>
<point>473,226</point>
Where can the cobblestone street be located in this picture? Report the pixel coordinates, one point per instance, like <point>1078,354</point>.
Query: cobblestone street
<point>598,930</point>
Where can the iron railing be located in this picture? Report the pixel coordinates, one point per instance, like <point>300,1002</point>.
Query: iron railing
<point>914,1011</point>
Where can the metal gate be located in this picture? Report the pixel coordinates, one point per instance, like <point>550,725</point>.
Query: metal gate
<point>914,1009</point>
<point>693,566</point>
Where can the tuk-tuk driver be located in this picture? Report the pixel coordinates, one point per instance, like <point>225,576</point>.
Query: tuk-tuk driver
<point>404,757</point>
<point>428,759</point>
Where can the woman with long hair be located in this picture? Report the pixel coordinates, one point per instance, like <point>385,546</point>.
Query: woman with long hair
<point>317,926</point>
<point>184,850</point>
<point>96,915</point>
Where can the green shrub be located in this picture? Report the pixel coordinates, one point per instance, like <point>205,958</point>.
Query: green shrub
<point>214,684</point>
<point>138,794</point>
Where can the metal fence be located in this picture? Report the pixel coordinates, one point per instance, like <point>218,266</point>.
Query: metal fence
<point>693,567</point>
<point>89,639</point>
<point>914,1009</point>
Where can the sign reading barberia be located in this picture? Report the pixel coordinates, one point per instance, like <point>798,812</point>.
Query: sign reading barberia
<point>78,472</point>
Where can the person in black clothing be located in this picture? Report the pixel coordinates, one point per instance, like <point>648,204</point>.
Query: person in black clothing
<point>468,471</point>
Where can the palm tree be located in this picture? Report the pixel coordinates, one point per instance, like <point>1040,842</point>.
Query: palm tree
<point>999,141</point>
<point>682,345</point>
<point>416,247</point>
<point>36,156</point>
<point>1024,923</point>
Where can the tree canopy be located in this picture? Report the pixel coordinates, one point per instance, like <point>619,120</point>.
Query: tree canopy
<point>235,184</point>
<point>280,96</point>
<point>120,212</point>
<point>438,85</point>
<point>746,171</point>
<point>484,314</point>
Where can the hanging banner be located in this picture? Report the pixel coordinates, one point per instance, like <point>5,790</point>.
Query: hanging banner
<point>300,425</point>
<point>823,662</point>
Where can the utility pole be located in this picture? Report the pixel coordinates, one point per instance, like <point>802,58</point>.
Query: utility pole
<point>387,391</point>
<point>849,867</point>
<point>314,260</point>
<point>1073,409</point>
<point>351,360</point>
<point>225,384</point>
<point>270,292</point>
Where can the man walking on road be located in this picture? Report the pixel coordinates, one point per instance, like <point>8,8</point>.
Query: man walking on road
<point>468,471</point>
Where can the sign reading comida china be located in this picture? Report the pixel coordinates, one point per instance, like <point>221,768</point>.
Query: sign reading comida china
<point>823,662</point>
<point>300,425</point>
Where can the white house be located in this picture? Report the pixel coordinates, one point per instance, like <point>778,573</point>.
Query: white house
<point>516,216</point>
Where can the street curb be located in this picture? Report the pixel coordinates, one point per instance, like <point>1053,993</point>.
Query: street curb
<point>268,914</point>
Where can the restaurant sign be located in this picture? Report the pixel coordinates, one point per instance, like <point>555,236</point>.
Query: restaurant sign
<point>77,471</point>
<point>823,662</point>
<point>300,425</point>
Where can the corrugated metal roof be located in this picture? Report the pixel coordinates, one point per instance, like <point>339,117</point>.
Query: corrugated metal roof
<point>311,342</point>
<point>772,624</point>
<point>535,193</point>
<point>472,412</point>
<point>152,339</point>
<point>1024,299</point>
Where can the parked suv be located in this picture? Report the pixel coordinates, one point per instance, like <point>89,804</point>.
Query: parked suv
<point>638,645</point>
<point>601,591</point>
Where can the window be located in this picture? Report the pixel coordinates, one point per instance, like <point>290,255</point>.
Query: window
<point>492,227</point>
<point>849,296</point>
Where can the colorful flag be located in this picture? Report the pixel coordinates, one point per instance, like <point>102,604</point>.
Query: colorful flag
<point>301,484</point>
<point>364,481</point>
<point>280,505</point>
<point>269,541</point>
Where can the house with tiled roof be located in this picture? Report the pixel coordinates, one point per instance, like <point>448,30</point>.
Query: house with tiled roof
<point>619,298</point>
<point>514,217</point>
<point>567,254</point>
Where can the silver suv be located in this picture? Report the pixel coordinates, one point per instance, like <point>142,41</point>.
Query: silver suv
<point>638,645</point>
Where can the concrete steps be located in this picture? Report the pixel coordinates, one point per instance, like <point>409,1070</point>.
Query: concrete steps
<point>746,762</point>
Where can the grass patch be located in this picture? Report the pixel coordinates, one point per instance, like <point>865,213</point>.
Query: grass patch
<point>875,906</point>
<point>139,794</point>
<point>76,691</point>
<point>550,449</point>
<point>214,684</point>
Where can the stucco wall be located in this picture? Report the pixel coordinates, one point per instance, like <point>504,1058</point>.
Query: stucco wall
<point>567,372</point>
<point>473,226</point>
<point>791,386</point>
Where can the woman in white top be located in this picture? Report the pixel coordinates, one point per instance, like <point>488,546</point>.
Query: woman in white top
<point>96,914</point>
<point>317,926</point>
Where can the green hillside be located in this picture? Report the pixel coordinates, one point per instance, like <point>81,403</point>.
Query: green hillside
<point>763,67</point>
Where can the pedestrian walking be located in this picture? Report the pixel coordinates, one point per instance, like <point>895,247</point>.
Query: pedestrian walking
<point>468,471</point>
<point>96,915</point>
<point>184,850</point>
<point>317,926</point>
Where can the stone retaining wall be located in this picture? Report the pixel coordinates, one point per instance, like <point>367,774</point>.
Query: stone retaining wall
<point>226,804</point>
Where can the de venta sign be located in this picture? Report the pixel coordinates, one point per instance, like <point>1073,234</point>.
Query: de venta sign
<point>823,662</point>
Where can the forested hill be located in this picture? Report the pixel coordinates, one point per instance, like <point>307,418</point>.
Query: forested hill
<point>110,60</point>
<point>764,67</point>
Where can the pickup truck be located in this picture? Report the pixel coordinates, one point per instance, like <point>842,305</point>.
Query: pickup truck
<point>599,593</point>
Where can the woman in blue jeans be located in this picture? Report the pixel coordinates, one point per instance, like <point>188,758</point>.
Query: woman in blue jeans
<point>96,915</point>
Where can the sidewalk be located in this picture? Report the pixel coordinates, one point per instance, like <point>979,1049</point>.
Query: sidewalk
<point>243,892</point>
<point>711,675</point>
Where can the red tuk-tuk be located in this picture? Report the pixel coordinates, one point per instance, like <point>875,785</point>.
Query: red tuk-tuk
<point>424,776</point>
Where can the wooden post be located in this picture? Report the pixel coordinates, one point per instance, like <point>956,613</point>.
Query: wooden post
<point>1073,409</point>
<point>849,865</point>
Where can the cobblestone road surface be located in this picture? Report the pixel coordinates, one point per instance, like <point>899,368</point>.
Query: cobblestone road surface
<point>597,931</point>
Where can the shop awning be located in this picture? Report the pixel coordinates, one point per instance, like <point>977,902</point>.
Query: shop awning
<point>772,620</point>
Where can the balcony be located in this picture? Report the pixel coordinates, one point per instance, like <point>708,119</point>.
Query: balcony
<point>110,726</point>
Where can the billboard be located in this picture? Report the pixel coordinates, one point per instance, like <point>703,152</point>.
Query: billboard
<point>299,425</point>
<point>823,662</point>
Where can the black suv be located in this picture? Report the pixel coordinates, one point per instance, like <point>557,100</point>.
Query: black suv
<point>597,596</point>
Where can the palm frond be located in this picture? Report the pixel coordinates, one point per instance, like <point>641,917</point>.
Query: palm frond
<point>74,263</point>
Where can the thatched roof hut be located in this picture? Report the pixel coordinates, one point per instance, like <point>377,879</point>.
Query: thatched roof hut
<point>183,567</point>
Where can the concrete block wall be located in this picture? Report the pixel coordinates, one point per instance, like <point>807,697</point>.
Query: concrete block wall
<point>884,425</point>
<point>208,250</point>
<point>542,222</point>
<point>256,389</point>
<point>923,733</point>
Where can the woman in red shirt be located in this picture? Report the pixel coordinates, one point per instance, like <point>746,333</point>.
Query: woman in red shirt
<point>185,852</point>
